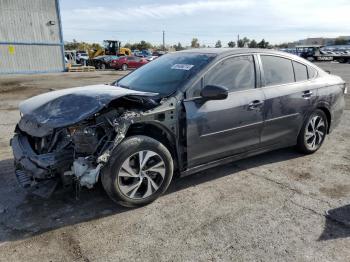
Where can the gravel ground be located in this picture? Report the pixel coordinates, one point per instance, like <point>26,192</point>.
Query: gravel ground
<point>271,207</point>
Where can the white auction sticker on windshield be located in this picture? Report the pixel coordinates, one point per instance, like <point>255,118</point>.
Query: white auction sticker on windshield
<point>182,67</point>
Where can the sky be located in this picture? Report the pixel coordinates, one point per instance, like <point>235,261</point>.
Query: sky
<point>131,21</point>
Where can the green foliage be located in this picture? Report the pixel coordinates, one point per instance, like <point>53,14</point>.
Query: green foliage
<point>178,47</point>
<point>142,45</point>
<point>242,42</point>
<point>195,43</point>
<point>81,46</point>
<point>231,44</point>
<point>263,44</point>
<point>253,44</point>
<point>283,45</point>
<point>218,44</point>
<point>246,42</point>
<point>127,45</point>
<point>341,41</point>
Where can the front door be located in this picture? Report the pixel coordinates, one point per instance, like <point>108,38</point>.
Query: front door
<point>220,128</point>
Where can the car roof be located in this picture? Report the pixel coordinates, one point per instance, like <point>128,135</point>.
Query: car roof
<point>223,52</point>
<point>229,51</point>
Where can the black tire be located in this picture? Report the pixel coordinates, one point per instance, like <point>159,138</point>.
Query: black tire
<point>124,67</point>
<point>302,144</point>
<point>128,148</point>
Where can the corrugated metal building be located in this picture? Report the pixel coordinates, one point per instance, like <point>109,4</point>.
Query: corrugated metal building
<point>30,36</point>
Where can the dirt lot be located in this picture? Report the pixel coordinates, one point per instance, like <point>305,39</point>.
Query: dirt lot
<point>266,208</point>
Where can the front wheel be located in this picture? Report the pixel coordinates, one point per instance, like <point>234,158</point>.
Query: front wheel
<point>313,132</point>
<point>139,171</point>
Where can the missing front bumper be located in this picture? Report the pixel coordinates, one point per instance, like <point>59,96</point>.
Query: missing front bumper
<point>37,173</point>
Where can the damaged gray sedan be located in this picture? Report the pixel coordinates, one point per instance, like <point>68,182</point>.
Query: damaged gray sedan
<point>182,113</point>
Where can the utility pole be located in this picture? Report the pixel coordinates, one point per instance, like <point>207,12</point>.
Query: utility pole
<point>163,40</point>
<point>237,40</point>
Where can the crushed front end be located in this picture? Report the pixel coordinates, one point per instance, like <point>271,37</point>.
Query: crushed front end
<point>43,156</point>
<point>66,136</point>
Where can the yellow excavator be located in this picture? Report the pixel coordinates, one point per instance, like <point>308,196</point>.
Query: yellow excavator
<point>111,47</point>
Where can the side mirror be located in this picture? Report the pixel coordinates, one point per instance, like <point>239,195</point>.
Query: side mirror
<point>212,92</point>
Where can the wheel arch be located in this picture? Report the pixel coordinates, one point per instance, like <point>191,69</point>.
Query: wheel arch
<point>325,108</point>
<point>158,132</point>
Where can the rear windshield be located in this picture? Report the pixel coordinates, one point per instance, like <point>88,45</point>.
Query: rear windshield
<point>166,74</point>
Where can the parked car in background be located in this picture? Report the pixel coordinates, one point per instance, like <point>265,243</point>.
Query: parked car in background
<point>126,62</point>
<point>142,53</point>
<point>158,53</point>
<point>82,57</point>
<point>102,62</point>
<point>151,58</point>
<point>184,112</point>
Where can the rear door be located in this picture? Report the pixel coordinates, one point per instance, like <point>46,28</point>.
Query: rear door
<point>289,95</point>
<point>220,128</point>
<point>138,62</point>
<point>131,61</point>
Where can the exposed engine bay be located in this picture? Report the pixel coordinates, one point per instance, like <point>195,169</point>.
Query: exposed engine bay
<point>47,153</point>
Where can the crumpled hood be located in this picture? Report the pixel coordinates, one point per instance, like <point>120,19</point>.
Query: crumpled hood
<point>69,106</point>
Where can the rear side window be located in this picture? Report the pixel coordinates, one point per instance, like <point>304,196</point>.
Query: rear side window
<point>277,70</point>
<point>235,73</point>
<point>300,71</point>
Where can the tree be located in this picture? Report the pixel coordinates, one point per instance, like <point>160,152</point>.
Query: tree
<point>178,47</point>
<point>81,46</point>
<point>263,44</point>
<point>253,44</point>
<point>143,45</point>
<point>96,46</point>
<point>243,42</point>
<point>127,45</point>
<point>194,43</point>
<point>283,45</point>
<point>341,41</point>
<point>231,44</point>
<point>218,44</point>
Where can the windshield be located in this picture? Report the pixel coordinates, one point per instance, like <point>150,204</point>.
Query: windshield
<point>166,74</point>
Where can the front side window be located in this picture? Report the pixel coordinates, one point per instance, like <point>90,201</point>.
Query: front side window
<point>300,71</point>
<point>277,70</point>
<point>235,73</point>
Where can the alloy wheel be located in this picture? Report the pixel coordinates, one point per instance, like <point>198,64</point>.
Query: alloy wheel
<point>315,132</point>
<point>141,174</point>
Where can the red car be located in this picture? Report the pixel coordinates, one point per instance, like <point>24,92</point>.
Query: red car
<point>126,62</point>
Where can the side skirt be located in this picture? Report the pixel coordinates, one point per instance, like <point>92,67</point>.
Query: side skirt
<point>232,158</point>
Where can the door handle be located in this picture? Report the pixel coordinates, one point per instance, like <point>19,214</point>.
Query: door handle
<point>255,104</point>
<point>307,94</point>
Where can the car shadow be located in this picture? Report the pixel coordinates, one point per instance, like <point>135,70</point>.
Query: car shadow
<point>337,224</point>
<point>23,215</point>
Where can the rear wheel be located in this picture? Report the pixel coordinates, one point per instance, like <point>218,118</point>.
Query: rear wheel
<point>103,66</point>
<point>139,171</point>
<point>124,67</point>
<point>313,132</point>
